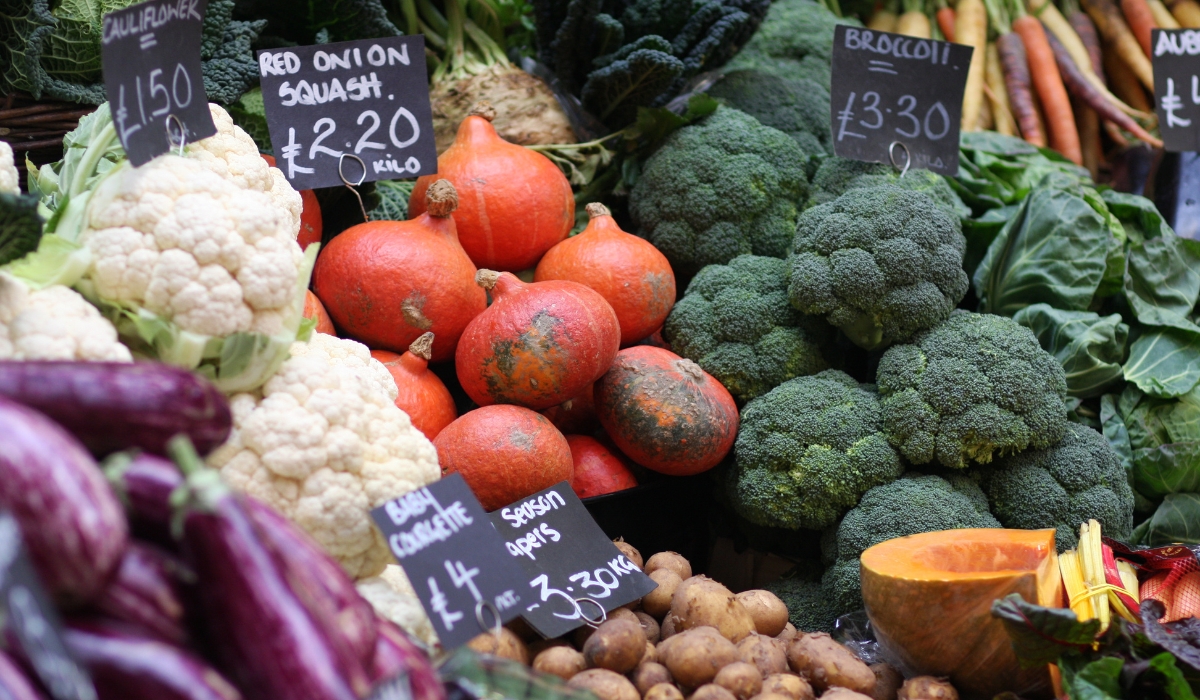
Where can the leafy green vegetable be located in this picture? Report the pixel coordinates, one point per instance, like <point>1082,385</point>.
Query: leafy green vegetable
<point>225,52</point>
<point>615,92</point>
<point>1164,362</point>
<point>1164,436</point>
<point>1040,635</point>
<point>20,226</point>
<point>250,113</point>
<point>301,21</point>
<point>1095,680</point>
<point>1089,347</point>
<point>1177,519</point>
<point>393,200</point>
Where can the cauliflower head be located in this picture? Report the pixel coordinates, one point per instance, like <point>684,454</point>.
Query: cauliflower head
<point>54,323</point>
<point>393,597</point>
<point>10,179</point>
<point>323,443</point>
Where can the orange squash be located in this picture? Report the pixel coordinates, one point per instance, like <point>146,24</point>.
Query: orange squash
<point>515,204</point>
<point>629,272</point>
<point>538,344</point>
<point>664,412</point>
<point>929,599</point>
<point>598,470</point>
<point>504,453</point>
<point>387,282</point>
<point>314,310</point>
<point>421,394</point>
<point>311,223</point>
<point>575,415</point>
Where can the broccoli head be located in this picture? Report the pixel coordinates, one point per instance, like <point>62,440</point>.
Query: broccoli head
<point>881,263</point>
<point>1062,486</point>
<point>910,505</point>
<point>736,323</point>
<point>798,108</point>
<point>808,609</point>
<point>833,177</point>
<point>807,450</point>
<point>723,187</point>
<point>975,387</point>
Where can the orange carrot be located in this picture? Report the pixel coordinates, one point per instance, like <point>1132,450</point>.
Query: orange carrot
<point>1116,32</point>
<point>1141,21</point>
<point>945,20</point>
<point>1060,120</point>
<point>1021,98</point>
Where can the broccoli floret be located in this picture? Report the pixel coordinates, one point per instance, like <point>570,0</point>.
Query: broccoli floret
<point>736,323</point>
<point>918,180</point>
<point>807,450</point>
<point>910,505</point>
<point>795,42</point>
<point>1062,486</point>
<point>720,188</point>
<point>834,176</point>
<point>808,608</point>
<point>799,109</point>
<point>881,263</point>
<point>975,387</point>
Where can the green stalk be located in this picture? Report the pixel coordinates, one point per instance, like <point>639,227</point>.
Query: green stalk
<point>97,146</point>
<point>409,9</point>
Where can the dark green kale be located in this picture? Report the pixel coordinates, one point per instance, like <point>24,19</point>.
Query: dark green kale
<point>20,226</point>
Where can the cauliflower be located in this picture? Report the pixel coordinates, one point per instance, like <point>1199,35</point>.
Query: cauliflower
<point>393,597</point>
<point>10,179</point>
<point>323,443</point>
<point>54,323</point>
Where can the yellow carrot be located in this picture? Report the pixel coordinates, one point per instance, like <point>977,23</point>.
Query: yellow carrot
<point>1162,16</point>
<point>1112,26</point>
<point>970,28</point>
<point>1187,12</point>
<point>885,18</point>
<point>997,92</point>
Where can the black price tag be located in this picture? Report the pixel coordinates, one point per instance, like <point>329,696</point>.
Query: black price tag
<point>32,619</point>
<point>571,565</point>
<point>1176,61</point>
<point>897,99</point>
<point>454,558</point>
<point>151,58</point>
<point>351,105</point>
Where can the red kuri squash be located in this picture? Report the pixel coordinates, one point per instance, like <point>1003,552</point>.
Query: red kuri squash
<point>515,204</point>
<point>664,412</point>
<point>504,453</point>
<point>575,415</point>
<point>387,282</point>
<point>314,310</point>
<point>597,469</point>
<point>538,344</point>
<point>627,271</point>
<point>422,395</point>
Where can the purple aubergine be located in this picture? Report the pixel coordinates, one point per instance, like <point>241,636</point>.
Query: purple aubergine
<point>14,684</point>
<point>144,484</point>
<point>127,666</point>
<point>113,406</point>
<point>144,592</point>
<point>331,598</point>
<point>261,632</point>
<point>395,653</point>
<point>71,521</point>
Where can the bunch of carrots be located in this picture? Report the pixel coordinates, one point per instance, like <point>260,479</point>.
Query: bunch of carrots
<point>1057,73</point>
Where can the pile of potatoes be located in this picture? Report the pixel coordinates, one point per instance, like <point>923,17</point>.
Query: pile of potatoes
<point>693,638</point>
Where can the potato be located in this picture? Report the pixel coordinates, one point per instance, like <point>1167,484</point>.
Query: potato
<point>605,684</point>
<point>581,634</point>
<point>667,628</point>
<point>788,685</point>
<point>825,664</point>
<point>651,653</point>
<point>771,696</point>
<point>507,645</point>
<point>764,653</point>
<point>663,691</point>
<point>669,560</point>
<point>617,645</point>
<point>843,694</point>
<point>887,681</point>
<point>658,601</point>
<point>711,691</point>
<point>561,661</point>
<point>741,679</point>
<point>769,613</point>
<point>694,657</point>
<point>629,551</point>
<point>702,602</point>
<point>650,627</point>
<point>788,634</point>
<point>649,674</point>
<point>927,688</point>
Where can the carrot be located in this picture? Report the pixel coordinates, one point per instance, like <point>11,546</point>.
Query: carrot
<point>885,18</point>
<point>1073,78</point>
<point>945,20</point>
<point>1115,31</point>
<point>1141,21</point>
<point>914,22</point>
<point>1187,12</point>
<point>1124,83</point>
<point>1115,134</point>
<point>1085,29</point>
<point>1162,16</point>
<point>1089,136</point>
<point>970,28</point>
<point>1016,75</point>
<point>997,92</point>
<point>1064,137</point>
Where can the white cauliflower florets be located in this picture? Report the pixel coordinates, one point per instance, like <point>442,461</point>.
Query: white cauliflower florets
<point>323,442</point>
<point>393,597</point>
<point>54,323</point>
<point>10,179</point>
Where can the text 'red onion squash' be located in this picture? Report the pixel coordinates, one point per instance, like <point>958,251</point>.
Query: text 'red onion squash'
<point>598,470</point>
<point>421,394</point>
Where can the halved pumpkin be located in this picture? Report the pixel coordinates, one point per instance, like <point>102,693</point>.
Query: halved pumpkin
<point>929,598</point>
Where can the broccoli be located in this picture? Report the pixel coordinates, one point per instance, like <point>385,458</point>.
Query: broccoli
<point>975,387</point>
<point>881,263</point>
<point>807,450</point>
<point>836,176</point>
<point>795,42</point>
<point>798,108</point>
<point>1062,486</point>
<point>736,323</point>
<point>913,504</point>
<point>720,188</point>
<point>808,609</point>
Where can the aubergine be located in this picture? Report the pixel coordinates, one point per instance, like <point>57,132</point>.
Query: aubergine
<point>144,592</point>
<point>113,406</point>
<point>144,483</point>
<point>395,653</point>
<point>71,521</point>
<point>262,634</point>
<point>127,666</point>
<point>14,684</point>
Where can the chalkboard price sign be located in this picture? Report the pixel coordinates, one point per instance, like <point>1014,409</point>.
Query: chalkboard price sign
<point>150,54</point>
<point>454,558</point>
<point>571,566</point>
<point>1176,59</point>
<point>355,111</point>
<point>897,99</point>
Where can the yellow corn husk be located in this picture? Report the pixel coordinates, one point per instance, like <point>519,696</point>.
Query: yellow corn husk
<point>1072,575</point>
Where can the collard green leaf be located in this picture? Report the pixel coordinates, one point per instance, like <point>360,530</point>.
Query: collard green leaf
<point>1166,469</point>
<point>1042,635</point>
<point>981,231</point>
<point>1177,519</point>
<point>1089,347</point>
<point>1113,427</point>
<point>1164,362</point>
<point>1162,282</point>
<point>1139,216</point>
<point>1084,679</point>
<point>1168,677</point>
